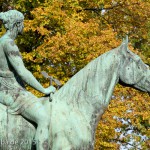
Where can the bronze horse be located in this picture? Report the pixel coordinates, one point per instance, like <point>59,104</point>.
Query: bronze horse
<point>77,107</point>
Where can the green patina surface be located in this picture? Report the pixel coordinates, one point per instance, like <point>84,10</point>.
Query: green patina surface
<point>70,120</point>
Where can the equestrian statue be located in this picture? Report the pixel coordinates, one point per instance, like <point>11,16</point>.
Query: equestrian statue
<point>69,120</point>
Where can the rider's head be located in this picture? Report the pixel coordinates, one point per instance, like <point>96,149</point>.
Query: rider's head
<point>11,19</point>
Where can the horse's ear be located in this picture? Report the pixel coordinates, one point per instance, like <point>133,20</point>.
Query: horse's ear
<point>125,41</point>
<point>124,46</point>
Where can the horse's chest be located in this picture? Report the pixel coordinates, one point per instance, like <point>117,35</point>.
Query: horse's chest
<point>70,128</point>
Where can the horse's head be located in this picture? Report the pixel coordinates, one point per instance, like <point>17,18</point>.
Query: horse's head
<point>133,71</point>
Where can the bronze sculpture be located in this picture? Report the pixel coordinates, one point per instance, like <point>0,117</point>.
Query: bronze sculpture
<point>78,106</point>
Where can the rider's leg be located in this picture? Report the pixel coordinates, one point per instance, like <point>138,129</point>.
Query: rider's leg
<point>31,108</point>
<point>36,113</point>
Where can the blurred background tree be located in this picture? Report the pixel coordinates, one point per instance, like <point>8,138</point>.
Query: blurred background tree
<point>62,36</point>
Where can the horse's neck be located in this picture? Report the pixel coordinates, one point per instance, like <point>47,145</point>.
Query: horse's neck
<point>90,90</point>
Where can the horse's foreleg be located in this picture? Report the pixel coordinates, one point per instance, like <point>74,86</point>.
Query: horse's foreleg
<point>60,142</point>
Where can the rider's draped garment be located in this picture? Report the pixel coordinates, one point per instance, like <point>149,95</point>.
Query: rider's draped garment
<point>13,93</point>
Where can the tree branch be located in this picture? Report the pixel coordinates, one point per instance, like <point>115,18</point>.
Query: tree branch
<point>108,8</point>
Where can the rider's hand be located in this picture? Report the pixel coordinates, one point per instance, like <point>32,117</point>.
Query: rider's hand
<point>50,89</point>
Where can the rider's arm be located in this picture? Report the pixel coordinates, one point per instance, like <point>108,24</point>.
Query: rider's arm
<point>14,57</point>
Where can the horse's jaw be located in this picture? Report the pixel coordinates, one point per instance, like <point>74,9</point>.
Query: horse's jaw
<point>147,82</point>
<point>144,83</point>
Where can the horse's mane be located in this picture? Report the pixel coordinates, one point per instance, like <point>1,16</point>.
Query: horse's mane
<point>78,85</point>
<point>88,92</point>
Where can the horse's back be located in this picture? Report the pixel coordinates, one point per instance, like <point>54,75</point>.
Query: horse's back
<point>16,133</point>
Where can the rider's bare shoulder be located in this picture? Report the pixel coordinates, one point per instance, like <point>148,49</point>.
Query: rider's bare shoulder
<point>7,41</point>
<point>9,45</point>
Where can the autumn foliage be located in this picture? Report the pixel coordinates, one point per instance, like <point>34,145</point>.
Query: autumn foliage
<point>61,37</point>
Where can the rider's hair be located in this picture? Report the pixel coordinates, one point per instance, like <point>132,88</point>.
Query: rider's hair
<point>11,18</point>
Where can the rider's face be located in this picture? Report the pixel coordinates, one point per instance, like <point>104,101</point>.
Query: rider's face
<point>20,28</point>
